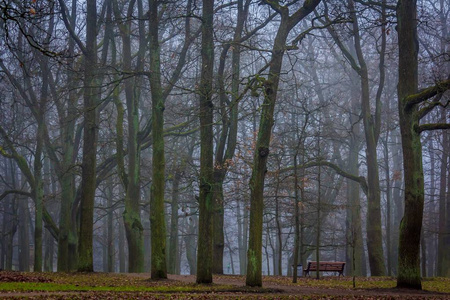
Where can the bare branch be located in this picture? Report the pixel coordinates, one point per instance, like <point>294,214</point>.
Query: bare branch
<point>427,93</point>
<point>428,107</point>
<point>376,3</point>
<point>18,192</point>
<point>69,27</point>
<point>359,179</point>
<point>433,126</point>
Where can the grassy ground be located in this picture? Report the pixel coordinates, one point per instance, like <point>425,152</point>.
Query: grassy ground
<point>138,286</point>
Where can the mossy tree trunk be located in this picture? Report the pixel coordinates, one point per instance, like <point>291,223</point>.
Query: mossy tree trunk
<point>67,177</point>
<point>444,235</point>
<point>371,130</point>
<point>173,261</point>
<point>446,260</point>
<point>131,180</point>
<point>355,251</point>
<point>397,198</point>
<point>191,223</point>
<point>296,222</point>
<point>205,230</point>
<point>158,224</point>
<point>88,174</point>
<point>39,182</point>
<point>10,208</point>
<point>38,159</point>
<point>411,224</point>
<point>410,114</point>
<point>23,234</point>
<point>441,266</point>
<point>270,89</point>
<point>227,142</point>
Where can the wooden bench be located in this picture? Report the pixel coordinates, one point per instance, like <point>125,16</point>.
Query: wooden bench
<point>325,266</point>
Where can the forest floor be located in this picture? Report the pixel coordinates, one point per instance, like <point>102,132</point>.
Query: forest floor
<point>23,285</point>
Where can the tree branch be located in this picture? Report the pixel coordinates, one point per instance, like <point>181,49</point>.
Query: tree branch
<point>376,3</point>
<point>19,192</point>
<point>69,27</point>
<point>359,179</point>
<point>426,94</point>
<point>433,126</point>
<point>431,105</point>
<point>275,6</point>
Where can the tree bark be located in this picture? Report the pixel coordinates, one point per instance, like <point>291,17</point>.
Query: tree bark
<point>158,224</point>
<point>189,240</point>
<point>411,223</point>
<point>131,215</point>
<point>397,200</point>
<point>173,243</point>
<point>229,132</point>
<point>270,89</point>
<point>446,238</point>
<point>88,175</point>
<point>441,265</point>
<point>24,232</point>
<point>205,232</point>
<point>371,130</point>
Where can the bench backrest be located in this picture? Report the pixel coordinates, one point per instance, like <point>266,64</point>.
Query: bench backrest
<point>326,266</point>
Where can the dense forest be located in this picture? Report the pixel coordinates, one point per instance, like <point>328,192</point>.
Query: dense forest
<point>225,137</point>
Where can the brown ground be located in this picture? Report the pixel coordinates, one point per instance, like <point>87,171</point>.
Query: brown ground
<point>298,291</point>
<point>274,288</point>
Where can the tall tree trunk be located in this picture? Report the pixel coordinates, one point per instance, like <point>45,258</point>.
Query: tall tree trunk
<point>205,236</point>
<point>388,205</point>
<point>173,244</point>
<point>446,233</point>
<point>423,248</point>
<point>49,245</point>
<point>158,224</point>
<point>432,237</point>
<point>254,254</point>
<point>88,175</point>
<point>24,232</point>
<point>410,113</point>
<point>371,130</point>
<point>354,231</point>
<point>38,197</point>
<point>229,132</point>
<point>122,252</point>
<point>397,199</point>
<point>49,248</point>
<point>277,270</point>
<point>189,240</point>
<point>68,236</point>
<point>10,227</point>
<point>445,48</point>
<point>270,89</point>
<point>38,176</point>
<point>132,215</point>
<point>10,220</point>
<point>242,219</point>
<point>411,223</point>
<point>441,266</point>
<point>110,231</point>
<point>296,222</point>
